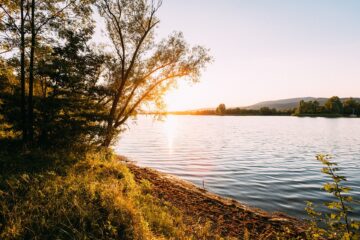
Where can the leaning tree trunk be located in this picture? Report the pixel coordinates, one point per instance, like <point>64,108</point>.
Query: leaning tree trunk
<point>108,134</point>
<point>107,141</point>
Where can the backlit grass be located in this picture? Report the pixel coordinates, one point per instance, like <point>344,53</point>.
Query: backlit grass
<point>93,198</point>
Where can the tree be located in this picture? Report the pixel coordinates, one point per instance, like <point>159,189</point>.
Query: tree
<point>315,106</point>
<point>310,107</point>
<point>142,69</point>
<point>27,27</point>
<point>13,15</point>
<point>351,106</point>
<point>300,108</point>
<point>70,108</point>
<point>267,111</point>
<point>7,82</point>
<point>45,18</point>
<point>334,105</point>
<point>221,109</point>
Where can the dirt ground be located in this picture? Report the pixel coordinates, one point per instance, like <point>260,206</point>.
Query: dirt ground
<point>229,218</point>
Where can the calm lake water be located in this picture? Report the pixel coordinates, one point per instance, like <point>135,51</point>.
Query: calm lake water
<point>265,162</point>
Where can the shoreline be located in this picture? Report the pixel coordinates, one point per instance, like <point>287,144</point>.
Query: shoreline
<point>228,217</point>
<point>258,115</point>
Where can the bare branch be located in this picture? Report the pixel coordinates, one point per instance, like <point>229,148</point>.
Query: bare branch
<point>116,48</point>
<point>118,26</point>
<point>53,16</point>
<point>6,51</point>
<point>139,45</point>
<point>10,17</point>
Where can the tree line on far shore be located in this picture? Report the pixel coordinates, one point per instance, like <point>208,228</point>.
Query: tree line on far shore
<point>334,106</point>
<point>222,111</point>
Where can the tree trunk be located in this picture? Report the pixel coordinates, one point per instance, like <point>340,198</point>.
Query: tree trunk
<point>22,74</point>
<point>110,123</point>
<point>107,141</point>
<point>108,135</point>
<point>31,73</point>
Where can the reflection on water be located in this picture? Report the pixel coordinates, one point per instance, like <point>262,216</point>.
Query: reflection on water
<point>169,127</point>
<point>266,162</point>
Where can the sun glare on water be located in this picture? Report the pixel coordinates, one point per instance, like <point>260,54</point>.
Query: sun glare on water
<point>170,128</point>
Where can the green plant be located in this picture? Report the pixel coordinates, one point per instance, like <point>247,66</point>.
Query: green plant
<point>93,195</point>
<point>337,223</point>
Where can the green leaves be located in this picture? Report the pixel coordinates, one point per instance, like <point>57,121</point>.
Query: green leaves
<point>333,205</point>
<point>339,226</point>
<point>329,187</point>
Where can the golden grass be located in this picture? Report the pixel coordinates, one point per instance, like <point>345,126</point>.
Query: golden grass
<point>95,198</point>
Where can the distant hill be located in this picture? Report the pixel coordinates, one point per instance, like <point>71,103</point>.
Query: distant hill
<point>290,103</point>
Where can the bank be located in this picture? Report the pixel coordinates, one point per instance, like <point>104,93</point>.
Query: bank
<point>227,217</point>
<point>93,194</point>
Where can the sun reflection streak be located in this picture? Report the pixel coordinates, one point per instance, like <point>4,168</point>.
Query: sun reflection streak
<point>170,129</point>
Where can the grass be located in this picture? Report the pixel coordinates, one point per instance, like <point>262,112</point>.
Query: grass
<point>82,195</point>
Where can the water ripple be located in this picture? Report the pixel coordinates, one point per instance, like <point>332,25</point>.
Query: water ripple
<point>266,162</point>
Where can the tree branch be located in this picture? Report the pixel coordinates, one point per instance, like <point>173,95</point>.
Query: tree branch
<point>136,53</point>
<point>127,115</point>
<point>10,17</point>
<point>136,87</point>
<point>118,27</point>
<point>6,51</point>
<point>53,16</point>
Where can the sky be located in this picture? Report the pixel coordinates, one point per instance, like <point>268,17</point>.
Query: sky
<point>267,49</point>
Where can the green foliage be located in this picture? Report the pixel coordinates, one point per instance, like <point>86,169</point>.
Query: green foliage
<point>62,106</point>
<point>69,106</point>
<point>93,196</point>
<point>267,111</point>
<point>310,107</point>
<point>337,222</point>
<point>221,109</point>
<point>332,107</point>
<point>351,106</point>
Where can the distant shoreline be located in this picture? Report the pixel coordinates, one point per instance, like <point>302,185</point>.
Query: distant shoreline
<point>333,107</point>
<point>259,115</point>
<point>325,115</point>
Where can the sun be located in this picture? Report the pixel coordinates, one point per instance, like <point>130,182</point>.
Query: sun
<point>172,101</point>
<point>182,98</point>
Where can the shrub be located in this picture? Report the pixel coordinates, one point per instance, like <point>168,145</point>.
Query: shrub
<point>336,224</point>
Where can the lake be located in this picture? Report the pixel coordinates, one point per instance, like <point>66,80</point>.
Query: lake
<point>264,162</point>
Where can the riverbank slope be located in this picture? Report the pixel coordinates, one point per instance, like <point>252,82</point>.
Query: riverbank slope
<point>93,194</point>
<point>227,217</point>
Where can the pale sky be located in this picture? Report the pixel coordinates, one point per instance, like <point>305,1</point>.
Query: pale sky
<point>267,49</point>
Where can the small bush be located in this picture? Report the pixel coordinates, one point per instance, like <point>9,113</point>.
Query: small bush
<point>336,224</point>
